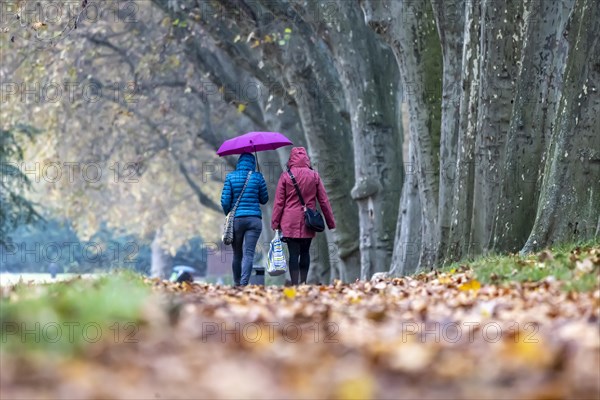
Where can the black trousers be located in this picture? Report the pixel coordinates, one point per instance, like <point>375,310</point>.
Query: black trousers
<point>299,262</point>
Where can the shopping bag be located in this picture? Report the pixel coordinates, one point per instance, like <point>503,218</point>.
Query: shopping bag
<point>276,263</point>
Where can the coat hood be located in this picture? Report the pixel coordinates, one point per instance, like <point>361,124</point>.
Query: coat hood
<point>246,162</point>
<point>299,158</point>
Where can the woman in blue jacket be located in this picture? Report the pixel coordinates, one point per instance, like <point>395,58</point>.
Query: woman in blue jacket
<point>247,223</point>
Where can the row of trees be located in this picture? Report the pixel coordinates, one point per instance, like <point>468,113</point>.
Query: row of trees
<point>501,99</point>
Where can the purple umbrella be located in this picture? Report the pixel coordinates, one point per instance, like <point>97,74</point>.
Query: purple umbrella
<point>253,142</point>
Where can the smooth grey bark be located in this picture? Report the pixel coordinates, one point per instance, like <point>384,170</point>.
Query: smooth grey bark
<point>407,245</point>
<point>449,16</point>
<point>369,81</point>
<point>409,29</point>
<point>533,114</point>
<point>501,38</point>
<point>320,266</point>
<point>334,259</point>
<point>462,203</point>
<point>569,202</point>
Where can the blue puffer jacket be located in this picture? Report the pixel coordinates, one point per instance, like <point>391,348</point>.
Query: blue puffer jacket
<point>255,193</point>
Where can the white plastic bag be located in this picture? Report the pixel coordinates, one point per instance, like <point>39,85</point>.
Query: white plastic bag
<point>276,263</point>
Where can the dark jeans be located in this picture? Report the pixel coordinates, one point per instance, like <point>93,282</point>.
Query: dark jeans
<point>299,263</point>
<point>246,231</point>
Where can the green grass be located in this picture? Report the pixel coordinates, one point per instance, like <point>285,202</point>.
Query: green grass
<point>64,317</point>
<point>498,269</point>
<point>10,279</point>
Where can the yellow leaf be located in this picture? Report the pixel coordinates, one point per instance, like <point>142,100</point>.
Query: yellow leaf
<point>166,22</point>
<point>471,285</point>
<point>289,292</point>
<point>174,60</point>
<point>529,350</point>
<point>288,30</point>
<point>255,44</point>
<point>241,107</point>
<point>453,270</point>
<point>356,388</point>
<point>444,280</point>
<point>268,39</point>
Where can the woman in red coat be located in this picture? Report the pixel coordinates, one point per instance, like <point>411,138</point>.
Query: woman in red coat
<point>288,213</point>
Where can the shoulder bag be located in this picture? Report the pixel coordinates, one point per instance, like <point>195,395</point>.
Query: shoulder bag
<point>228,228</point>
<point>312,218</point>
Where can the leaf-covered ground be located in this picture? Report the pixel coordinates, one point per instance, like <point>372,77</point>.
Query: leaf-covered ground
<point>439,335</point>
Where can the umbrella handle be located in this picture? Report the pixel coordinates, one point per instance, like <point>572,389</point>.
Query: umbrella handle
<point>256,157</point>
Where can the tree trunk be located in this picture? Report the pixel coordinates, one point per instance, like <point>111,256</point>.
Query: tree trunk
<point>449,16</point>
<point>501,39</point>
<point>569,202</point>
<point>334,259</point>
<point>320,267</point>
<point>407,244</point>
<point>369,83</point>
<point>533,114</point>
<point>161,263</point>
<point>462,204</point>
<point>408,27</point>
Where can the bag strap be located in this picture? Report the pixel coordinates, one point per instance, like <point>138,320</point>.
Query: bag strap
<point>296,186</point>
<point>233,210</point>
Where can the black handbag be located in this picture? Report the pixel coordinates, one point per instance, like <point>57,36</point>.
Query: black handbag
<point>312,218</point>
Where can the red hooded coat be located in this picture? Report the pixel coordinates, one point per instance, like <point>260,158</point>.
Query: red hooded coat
<point>288,214</point>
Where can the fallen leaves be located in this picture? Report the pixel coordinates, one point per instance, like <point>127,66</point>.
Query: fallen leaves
<point>584,267</point>
<point>434,335</point>
<point>470,285</point>
<point>358,388</point>
<point>289,292</point>
<point>545,255</point>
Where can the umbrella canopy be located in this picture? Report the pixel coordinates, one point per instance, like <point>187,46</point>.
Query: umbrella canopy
<point>253,142</point>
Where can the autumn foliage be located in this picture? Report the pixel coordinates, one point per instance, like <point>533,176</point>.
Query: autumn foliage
<point>433,335</point>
